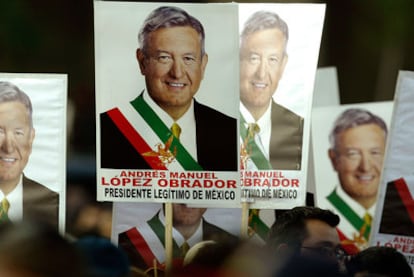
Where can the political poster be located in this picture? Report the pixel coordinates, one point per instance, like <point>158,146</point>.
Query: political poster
<point>349,145</point>
<point>278,62</point>
<point>33,146</point>
<point>139,228</point>
<point>394,218</point>
<point>149,79</point>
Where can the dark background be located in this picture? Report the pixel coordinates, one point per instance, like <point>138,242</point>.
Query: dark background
<point>368,41</point>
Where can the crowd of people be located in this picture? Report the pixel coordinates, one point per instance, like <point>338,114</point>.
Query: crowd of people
<point>302,242</point>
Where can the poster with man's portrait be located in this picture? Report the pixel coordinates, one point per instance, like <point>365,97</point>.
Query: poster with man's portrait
<point>139,229</point>
<point>167,102</point>
<point>394,221</point>
<point>278,61</point>
<point>349,146</point>
<point>33,147</point>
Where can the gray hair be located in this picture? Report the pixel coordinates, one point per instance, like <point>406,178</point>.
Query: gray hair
<point>11,93</point>
<point>166,17</point>
<point>354,117</point>
<point>263,20</point>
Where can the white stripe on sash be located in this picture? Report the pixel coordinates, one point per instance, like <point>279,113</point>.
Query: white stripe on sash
<point>146,132</point>
<point>152,241</point>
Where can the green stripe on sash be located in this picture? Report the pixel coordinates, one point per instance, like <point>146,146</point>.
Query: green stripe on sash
<point>357,222</point>
<point>255,154</point>
<point>164,133</point>
<point>159,230</point>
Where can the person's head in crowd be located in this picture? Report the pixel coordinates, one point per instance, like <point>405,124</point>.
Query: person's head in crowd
<point>186,219</point>
<point>358,140</point>
<point>16,134</point>
<point>102,258</point>
<point>305,231</point>
<point>172,58</point>
<point>309,266</point>
<point>92,219</point>
<point>263,58</point>
<point>248,259</point>
<point>30,249</point>
<point>379,261</point>
<point>206,258</point>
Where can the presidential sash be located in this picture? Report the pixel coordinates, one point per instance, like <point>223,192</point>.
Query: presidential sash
<point>154,141</point>
<point>361,225</point>
<point>250,149</point>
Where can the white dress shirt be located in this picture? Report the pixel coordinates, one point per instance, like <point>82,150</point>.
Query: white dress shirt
<point>15,198</point>
<point>188,137</point>
<point>178,238</point>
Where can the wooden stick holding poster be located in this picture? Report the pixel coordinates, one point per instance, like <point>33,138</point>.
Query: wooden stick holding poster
<point>245,220</point>
<point>168,238</point>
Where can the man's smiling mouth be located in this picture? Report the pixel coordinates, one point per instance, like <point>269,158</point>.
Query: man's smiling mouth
<point>259,85</point>
<point>177,85</point>
<point>366,177</point>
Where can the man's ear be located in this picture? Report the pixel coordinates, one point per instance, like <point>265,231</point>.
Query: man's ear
<point>284,250</point>
<point>141,60</point>
<point>32,137</point>
<point>284,62</point>
<point>333,157</point>
<point>204,61</point>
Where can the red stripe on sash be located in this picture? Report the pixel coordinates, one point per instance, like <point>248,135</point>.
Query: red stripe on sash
<point>135,138</point>
<point>405,196</point>
<point>141,246</point>
<point>350,248</point>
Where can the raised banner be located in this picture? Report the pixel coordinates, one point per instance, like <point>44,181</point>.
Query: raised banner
<point>278,60</point>
<point>33,147</point>
<point>393,225</point>
<point>349,147</point>
<point>139,228</point>
<point>167,103</point>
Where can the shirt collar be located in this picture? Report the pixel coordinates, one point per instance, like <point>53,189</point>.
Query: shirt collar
<point>178,238</point>
<point>15,198</point>
<point>264,121</point>
<point>356,207</point>
<point>184,120</point>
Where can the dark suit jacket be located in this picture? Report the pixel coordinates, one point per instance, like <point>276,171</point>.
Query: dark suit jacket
<point>210,232</point>
<point>40,204</point>
<point>286,139</point>
<point>395,218</point>
<point>216,143</point>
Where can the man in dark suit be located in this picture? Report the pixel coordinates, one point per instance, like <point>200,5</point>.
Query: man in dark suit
<point>263,59</point>
<point>40,203</point>
<point>145,243</point>
<point>22,198</point>
<point>276,142</point>
<point>172,59</point>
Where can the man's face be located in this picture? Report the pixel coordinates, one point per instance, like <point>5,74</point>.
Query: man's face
<point>322,242</point>
<point>263,60</point>
<point>16,138</point>
<point>358,160</point>
<point>185,216</point>
<point>173,67</point>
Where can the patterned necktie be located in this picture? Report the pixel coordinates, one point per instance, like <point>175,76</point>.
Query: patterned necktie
<point>252,130</point>
<point>367,219</point>
<point>184,248</point>
<point>4,209</point>
<point>176,130</point>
